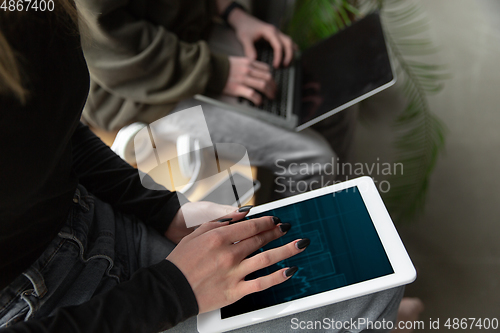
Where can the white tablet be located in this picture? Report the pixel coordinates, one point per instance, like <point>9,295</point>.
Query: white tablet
<point>355,250</point>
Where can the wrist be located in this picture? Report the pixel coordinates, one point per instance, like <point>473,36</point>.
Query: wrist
<point>233,13</point>
<point>235,17</point>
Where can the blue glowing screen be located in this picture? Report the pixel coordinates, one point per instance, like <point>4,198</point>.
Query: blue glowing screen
<point>345,249</point>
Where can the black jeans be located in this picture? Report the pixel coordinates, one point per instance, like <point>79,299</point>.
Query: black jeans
<point>96,249</point>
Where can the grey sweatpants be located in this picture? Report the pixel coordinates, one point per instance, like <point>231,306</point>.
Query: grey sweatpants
<point>376,309</point>
<point>300,161</point>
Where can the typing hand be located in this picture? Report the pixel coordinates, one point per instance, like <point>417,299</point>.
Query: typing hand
<point>214,260</point>
<point>250,29</point>
<point>247,78</point>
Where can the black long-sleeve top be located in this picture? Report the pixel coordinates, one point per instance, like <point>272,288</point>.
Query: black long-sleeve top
<point>45,152</point>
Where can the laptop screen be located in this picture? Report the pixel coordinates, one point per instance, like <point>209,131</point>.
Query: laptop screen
<point>343,70</point>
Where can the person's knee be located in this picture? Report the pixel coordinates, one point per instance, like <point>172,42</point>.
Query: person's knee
<point>388,301</point>
<point>311,151</point>
<point>319,164</point>
<point>309,167</point>
<point>317,147</point>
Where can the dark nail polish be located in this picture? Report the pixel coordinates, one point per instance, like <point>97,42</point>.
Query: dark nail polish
<point>245,209</point>
<point>292,270</point>
<point>225,220</point>
<point>276,220</point>
<point>303,243</point>
<point>285,227</point>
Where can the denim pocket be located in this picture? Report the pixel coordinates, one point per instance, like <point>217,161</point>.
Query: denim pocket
<point>62,264</point>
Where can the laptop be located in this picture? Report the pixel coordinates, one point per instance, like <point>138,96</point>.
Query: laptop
<point>326,78</point>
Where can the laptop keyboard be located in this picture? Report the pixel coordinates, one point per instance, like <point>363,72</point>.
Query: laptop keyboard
<point>277,105</point>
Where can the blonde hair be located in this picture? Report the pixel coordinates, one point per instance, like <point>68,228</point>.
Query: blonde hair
<point>11,78</point>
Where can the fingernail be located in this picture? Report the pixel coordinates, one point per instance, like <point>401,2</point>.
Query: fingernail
<point>303,243</point>
<point>225,220</point>
<point>276,220</point>
<point>285,227</point>
<point>245,209</point>
<point>292,270</point>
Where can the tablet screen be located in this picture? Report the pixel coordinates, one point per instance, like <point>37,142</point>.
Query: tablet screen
<point>345,249</point>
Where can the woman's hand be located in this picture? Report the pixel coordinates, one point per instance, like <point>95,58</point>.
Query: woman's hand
<point>250,29</point>
<point>200,212</point>
<point>246,77</point>
<point>213,259</point>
